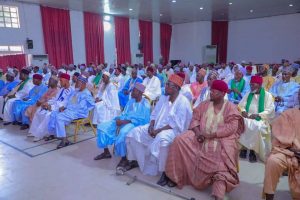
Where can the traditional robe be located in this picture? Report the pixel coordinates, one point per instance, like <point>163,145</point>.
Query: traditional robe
<point>123,98</point>
<point>30,111</point>
<point>151,153</point>
<point>40,121</point>
<point>205,95</point>
<point>286,134</point>
<point>213,161</point>
<point>20,106</point>
<point>268,81</point>
<point>257,134</point>
<point>153,87</point>
<point>224,74</point>
<point>20,92</point>
<point>196,89</point>
<point>109,133</point>
<point>123,81</point>
<point>9,86</point>
<point>81,102</point>
<point>284,90</point>
<point>187,92</point>
<point>109,106</point>
<point>46,78</point>
<point>231,96</point>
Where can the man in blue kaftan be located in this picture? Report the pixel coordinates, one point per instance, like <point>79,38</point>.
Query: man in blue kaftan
<point>284,90</point>
<point>124,93</point>
<point>20,106</point>
<point>10,84</point>
<point>136,113</point>
<point>238,87</point>
<point>80,103</point>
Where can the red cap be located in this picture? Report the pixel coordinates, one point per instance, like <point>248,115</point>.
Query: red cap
<point>219,85</point>
<point>150,69</point>
<point>37,76</point>
<point>249,68</point>
<point>174,78</point>
<point>256,79</point>
<point>65,76</point>
<point>182,75</point>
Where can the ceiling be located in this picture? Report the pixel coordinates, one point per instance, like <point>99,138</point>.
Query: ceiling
<point>181,11</point>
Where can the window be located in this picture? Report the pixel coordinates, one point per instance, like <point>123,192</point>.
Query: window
<point>13,49</point>
<point>9,17</point>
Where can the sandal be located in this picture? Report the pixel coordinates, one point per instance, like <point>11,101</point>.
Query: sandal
<point>103,156</point>
<point>63,144</point>
<point>131,165</point>
<point>50,137</point>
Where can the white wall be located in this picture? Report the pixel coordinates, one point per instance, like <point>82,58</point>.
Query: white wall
<point>188,41</point>
<point>110,43</point>
<point>134,40</point>
<point>78,42</point>
<point>156,41</point>
<point>30,27</point>
<point>264,40</point>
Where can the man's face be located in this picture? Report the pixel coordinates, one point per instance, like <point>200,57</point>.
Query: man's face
<point>191,68</point>
<point>254,87</point>
<point>211,79</point>
<point>136,93</point>
<point>134,73</point>
<point>286,76</point>
<point>81,85</point>
<point>74,78</point>
<point>23,76</point>
<point>199,78</point>
<point>149,73</point>
<point>52,83</point>
<point>9,78</point>
<point>117,72</point>
<point>170,88</point>
<point>238,76</point>
<point>248,72</point>
<point>216,95</point>
<point>63,82</point>
<point>105,79</point>
<point>223,66</point>
<point>37,81</point>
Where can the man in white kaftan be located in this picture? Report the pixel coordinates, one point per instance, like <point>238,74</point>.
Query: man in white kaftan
<point>18,93</point>
<point>152,84</point>
<point>40,121</point>
<point>148,144</point>
<point>107,104</point>
<point>258,109</point>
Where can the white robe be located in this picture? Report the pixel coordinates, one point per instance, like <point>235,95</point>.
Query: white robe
<point>109,107</point>
<point>153,89</point>
<point>151,153</point>
<point>7,111</point>
<point>257,135</point>
<point>40,121</point>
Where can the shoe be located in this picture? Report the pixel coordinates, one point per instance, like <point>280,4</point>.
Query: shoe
<point>30,135</point>
<point>15,123</point>
<point>103,156</point>
<point>252,157</point>
<point>50,137</point>
<point>36,139</point>
<point>171,183</point>
<point>63,144</point>
<point>163,180</point>
<point>24,127</point>
<point>6,123</point>
<point>243,153</point>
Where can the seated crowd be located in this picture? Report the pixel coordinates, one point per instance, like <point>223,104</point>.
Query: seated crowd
<point>187,123</point>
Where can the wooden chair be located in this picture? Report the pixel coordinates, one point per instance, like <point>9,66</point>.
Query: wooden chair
<point>80,124</point>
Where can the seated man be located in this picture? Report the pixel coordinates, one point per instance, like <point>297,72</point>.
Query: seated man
<point>207,153</point>
<point>136,113</point>
<point>10,84</point>
<point>20,106</point>
<point>268,80</point>
<point>81,102</point>
<point>125,92</point>
<point>152,84</point>
<point>18,93</point>
<point>205,92</point>
<point>107,102</point>
<point>284,90</point>
<point>50,94</point>
<point>257,108</point>
<point>285,154</point>
<point>149,144</point>
<point>39,125</point>
<point>237,87</point>
<point>198,86</point>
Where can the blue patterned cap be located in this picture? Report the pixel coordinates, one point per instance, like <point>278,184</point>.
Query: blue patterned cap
<point>83,79</point>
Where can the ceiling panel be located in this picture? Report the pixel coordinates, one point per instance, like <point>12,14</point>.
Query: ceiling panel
<point>181,11</point>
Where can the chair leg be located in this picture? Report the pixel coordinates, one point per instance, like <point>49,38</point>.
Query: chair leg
<point>76,132</point>
<point>94,130</point>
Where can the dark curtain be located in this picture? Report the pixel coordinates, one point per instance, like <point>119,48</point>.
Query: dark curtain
<point>165,41</point>
<point>18,61</point>
<point>122,35</point>
<point>219,37</point>
<point>146,37</point>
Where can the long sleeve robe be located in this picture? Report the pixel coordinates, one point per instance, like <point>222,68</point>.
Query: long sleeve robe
<point>123,98</point>
<point>153,87</point>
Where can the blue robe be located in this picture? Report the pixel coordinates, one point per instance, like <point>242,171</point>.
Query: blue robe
<point>2,83</point>
<point>9,86</point>
<point>285,91</point>
<point>137,113</point>
<point>79,105</point>
<point>243,92</point>
<point>20,106</point>
<point>123,98</point>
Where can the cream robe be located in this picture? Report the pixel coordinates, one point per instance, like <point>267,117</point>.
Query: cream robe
<point>257,135</point>
<point>151,153</point>
<point>153,89</point>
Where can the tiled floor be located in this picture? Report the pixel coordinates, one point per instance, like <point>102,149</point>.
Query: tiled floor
<point>71,173</point>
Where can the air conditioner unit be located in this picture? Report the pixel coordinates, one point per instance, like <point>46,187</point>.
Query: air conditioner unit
<point>38,59</point>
